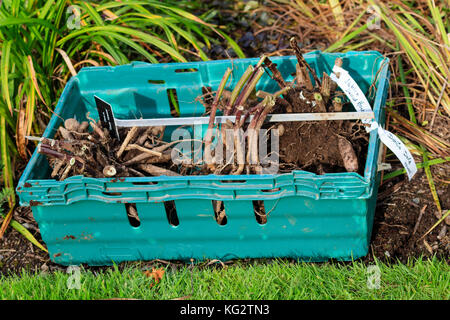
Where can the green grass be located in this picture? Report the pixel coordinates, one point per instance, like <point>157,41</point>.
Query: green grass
<point>273,279</point>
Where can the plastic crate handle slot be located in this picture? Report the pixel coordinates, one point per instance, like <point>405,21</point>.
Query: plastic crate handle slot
<point>171,213</point>
<point>132,214</point>
<point>260,211</point>
<point>220,214</point>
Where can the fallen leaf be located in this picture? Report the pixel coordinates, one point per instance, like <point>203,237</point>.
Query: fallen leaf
<point>155,274</point>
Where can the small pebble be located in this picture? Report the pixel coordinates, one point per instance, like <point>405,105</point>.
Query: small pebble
<point>416,200</point>
<point>442,232</point>
<point>29,226</point>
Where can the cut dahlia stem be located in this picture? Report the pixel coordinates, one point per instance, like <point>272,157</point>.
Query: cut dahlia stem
<point>240,147</point>
<point>109,171</point>
<point>319,102</point>
<point>248,114</point>
<point>157,171</point>
<point>337,107</point>
<point>254,147</point>
<point>47,150</point>
<point>301,60</point>
<point>143,156</point>
<point>66,171</point>
<point>95,126</point>
<point>57,167</point>
<point>262,94</point>
<point>141,140</point>
<point>239,142</point>
<point>303,79</point>
<point>166,157</point>
<point>337,104</point>
<point>209,132</point>
<point>248,88</point>
<point>237,89</point>
<point>325,89</point>
<point>143,149</point>
<point>252,128</point>
<point>276,74</point>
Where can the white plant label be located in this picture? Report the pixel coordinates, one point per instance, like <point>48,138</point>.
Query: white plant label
<point>359,101</point>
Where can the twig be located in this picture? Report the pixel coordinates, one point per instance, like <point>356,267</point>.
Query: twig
<point>130,136</point>
<point>143,149</point>
<point>208,136</point>
<point>94,126</point>
<point>157,171</point>
<point>419,219</point>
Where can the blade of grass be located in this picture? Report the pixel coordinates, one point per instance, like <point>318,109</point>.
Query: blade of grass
<point>420,165</point>
<point>34,80</point>
<point>6,222</point>
<point>27,234</point>
<point>6,160</point>
<point>337,12</point>
<point>444,215</point>
<point>139,34</point>
<point>431,181</point>
<point>6,50</point>
<point>233,45</point>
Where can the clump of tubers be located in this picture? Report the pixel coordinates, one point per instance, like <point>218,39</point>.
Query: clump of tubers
<point>85,148</point>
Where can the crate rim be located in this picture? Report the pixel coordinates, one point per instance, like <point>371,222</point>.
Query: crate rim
<point>369,172</point>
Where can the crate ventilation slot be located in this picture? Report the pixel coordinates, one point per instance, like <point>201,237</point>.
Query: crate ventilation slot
<point>173,102</point>
<point>156,81</point>
<point>260,211</point>
<point>186,70</point>
<point>219,212</point>
<point>132,214</point>
<point>171,213</point>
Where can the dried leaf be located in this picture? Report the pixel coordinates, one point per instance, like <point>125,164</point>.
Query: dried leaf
<point>20,134</point>
<point>34,79</point>
<point>155,274</point>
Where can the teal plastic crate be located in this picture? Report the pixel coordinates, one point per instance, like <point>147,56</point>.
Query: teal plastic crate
<point>310,217</point>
